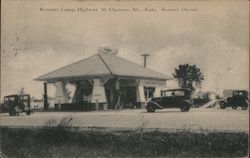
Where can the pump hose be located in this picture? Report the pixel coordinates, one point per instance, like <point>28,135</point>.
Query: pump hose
<point>119,103</point>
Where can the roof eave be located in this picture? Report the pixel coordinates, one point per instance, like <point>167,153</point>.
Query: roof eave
<point>72,78</point>
<point>144,77</point>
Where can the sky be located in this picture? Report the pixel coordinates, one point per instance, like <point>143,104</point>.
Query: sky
<point>40,36</point>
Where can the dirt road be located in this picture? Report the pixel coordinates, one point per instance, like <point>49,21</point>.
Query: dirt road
<point>170,119</point>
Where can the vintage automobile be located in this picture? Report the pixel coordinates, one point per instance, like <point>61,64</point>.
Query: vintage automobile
<point>237,98</point>
<point>173,98</point>
<point>17,104</point>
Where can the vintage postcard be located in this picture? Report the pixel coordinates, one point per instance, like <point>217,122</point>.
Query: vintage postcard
<point>125,78</point>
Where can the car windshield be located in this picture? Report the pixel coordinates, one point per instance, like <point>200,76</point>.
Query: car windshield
<point>9,99</point>
<point>24,97</point>
<point>239,93</point>
<point>173,93</point>
<point>228,93</point>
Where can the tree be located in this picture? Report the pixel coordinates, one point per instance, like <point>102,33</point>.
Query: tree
<point>188,76</point>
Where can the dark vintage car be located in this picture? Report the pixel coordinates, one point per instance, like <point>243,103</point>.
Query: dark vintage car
<point>17,104</point>
<point>173,98</point>
<point>237,98</point>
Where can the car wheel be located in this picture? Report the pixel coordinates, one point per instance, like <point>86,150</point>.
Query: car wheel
<point>222,105</point>
<point>28,112</point>
<point>234,107</point>
<point>150,109</point>
<point>26,108</point>
<point>185,107</point>
<point>244,107</point>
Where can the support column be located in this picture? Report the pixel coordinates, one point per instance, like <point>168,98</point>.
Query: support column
<point>45,97</point>
<point>61,95</point>
<point>77,95</point>
<point>157,91</point>
<point>117,84</point>
<point>112,98</point>
<point>161,86</point>
<point>140,94</point>
<point>98,93</point>
<point>119,104</point>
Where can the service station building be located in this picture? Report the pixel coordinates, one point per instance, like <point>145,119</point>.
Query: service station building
<point>104,80</point>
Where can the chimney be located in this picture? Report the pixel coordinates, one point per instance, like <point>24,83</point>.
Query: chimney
<point>107,50</point>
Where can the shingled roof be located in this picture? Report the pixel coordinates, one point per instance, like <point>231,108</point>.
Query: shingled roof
<point>101,65</point>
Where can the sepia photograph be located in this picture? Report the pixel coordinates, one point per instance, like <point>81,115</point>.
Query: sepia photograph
<point>124,79</point>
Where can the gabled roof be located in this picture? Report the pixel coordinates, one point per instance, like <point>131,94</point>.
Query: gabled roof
<point>100,65</point>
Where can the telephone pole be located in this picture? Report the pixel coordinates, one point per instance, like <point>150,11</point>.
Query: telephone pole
<point>145,59</point>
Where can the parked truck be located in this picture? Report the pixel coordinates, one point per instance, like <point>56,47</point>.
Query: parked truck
<point>234,99</point>
<point>17,104</point>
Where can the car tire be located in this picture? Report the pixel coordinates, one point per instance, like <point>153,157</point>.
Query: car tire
<point>234,107</point>
<point>185,107</point>
<point>28,112</point>
<point>150,108</point>
<point>26,108</point>
<point>222,105</point>
<point>244,107</point>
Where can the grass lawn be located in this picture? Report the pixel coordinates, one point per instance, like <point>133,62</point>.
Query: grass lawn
<point>68,142</point>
